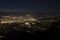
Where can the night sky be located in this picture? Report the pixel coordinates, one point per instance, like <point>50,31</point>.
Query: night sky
<point>42,6</point>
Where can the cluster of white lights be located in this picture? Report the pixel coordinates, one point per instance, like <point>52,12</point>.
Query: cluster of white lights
<point>27,23</point>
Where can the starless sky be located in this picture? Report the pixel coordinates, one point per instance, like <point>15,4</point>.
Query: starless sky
<point>44,6</point>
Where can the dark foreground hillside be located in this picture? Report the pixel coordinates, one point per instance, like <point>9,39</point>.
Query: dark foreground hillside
<point>53,34</point>
<point>18,35</point>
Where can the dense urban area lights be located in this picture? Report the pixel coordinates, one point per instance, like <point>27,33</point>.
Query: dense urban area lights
<point>8,19</point>
<point>27,23</point>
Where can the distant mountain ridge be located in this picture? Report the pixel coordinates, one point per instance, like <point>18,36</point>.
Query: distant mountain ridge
<point>23,13</point>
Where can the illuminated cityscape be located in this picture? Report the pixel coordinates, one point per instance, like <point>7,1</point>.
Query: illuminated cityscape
<point>28,20</point>
<point>20,19</point>
<point>27,23</point>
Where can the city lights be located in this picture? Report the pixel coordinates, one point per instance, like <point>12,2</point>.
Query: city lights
<point>27,23</point>
<point>10,19</point>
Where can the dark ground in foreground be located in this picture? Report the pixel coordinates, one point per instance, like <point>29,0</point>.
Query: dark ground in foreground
<point>18,35</point>
<point>53,34</point>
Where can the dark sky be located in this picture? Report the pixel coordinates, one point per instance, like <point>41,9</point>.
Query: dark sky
<point>43,6</point>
